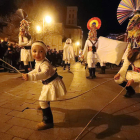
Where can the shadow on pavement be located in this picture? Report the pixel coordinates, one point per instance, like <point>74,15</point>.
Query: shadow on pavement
<point>80,118</point>
<point>137,95</point>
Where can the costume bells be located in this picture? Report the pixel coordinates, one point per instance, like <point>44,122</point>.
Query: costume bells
<point>47,121</point>
<point>91,73</point>
<point>129,90</point>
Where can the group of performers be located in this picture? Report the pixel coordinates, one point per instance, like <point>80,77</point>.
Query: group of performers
<point>53,86</point>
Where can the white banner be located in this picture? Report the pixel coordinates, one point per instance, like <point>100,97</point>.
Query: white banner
<point>110,50</point>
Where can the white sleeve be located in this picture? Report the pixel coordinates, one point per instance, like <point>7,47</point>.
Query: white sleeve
<point>33,71</point>
<point>44,74</point>
<point>124,68</point>
<point>21,43</point>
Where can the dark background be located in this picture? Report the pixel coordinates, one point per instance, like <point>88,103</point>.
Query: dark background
<point>106,10</point>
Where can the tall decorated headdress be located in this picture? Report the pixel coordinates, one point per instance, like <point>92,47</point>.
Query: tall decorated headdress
<point>93,25</point>
<point>24,24</point>
<point>127,9</point>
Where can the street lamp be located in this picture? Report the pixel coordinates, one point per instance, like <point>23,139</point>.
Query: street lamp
<point>77,43</point>
<point>48,19</point>
<point>38,28</point>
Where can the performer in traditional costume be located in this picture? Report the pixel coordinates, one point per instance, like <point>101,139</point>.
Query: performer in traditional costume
<point>68,53</point>
<point>90,51</point>
<point>25,44</point>
<point>53,86</point>
<point>127,77</point>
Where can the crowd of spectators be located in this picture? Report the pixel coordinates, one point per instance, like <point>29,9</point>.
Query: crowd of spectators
<point>10,53</point>
<point>55,57</point>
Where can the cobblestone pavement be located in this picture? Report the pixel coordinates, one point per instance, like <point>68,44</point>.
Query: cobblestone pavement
<point>118,121</point>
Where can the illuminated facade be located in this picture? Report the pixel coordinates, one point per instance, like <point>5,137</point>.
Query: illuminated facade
<point>71,29</point>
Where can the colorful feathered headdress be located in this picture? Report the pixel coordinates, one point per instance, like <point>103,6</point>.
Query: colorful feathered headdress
<point>126,9</point>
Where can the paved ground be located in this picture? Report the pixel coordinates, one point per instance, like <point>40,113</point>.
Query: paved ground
<point>118,121</point>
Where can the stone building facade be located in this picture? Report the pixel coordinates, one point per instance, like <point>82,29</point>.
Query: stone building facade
<point>71,29</point>
<point>55,34</point>
<point>52,35</point>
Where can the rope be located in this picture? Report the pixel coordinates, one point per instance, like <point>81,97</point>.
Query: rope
<point>78,95</point>
<point>61,99</point>
<point>6,68</point>
<point>98,113</point>
<point>10,66</point>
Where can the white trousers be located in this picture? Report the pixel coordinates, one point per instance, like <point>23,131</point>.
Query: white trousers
<point>91,59</point>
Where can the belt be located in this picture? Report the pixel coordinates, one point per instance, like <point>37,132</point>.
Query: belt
<point>47,81</point>
<point>27,47</point>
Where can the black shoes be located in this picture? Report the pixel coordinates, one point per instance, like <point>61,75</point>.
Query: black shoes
<point>91,73</point>
<point>129,90</point>
<point>129,94</point>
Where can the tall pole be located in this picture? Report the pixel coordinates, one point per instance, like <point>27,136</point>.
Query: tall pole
<point>43,30</point>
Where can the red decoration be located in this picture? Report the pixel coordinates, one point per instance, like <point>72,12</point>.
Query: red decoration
<point>94,20</point>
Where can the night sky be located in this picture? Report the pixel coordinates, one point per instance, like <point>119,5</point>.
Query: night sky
<point>104,9</point>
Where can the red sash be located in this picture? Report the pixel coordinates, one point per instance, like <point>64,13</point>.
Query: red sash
<point>136,69</point>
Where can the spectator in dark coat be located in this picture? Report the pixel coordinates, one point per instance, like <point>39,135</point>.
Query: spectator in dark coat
<point>53,56</point>
<point>8,56</point>
<point>4,46</point>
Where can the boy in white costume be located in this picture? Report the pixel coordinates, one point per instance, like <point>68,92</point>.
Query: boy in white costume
<point>68,53</point>
<point>90,51</point>
<point>53,86</point>
<point>25,43</point>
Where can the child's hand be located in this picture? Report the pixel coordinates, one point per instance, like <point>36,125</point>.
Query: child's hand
<point>25,76</point>
<point>117,76</point>
<point>130,82</point>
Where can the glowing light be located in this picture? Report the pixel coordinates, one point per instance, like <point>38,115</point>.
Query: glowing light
<point>38,28</point>
<point>77,43</point>
<point>48,19</point>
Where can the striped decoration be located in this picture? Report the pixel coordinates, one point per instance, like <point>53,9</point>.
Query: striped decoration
<point>126,9</point>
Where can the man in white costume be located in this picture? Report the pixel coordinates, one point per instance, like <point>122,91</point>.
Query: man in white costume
<point>90,51</point>
<point>25,44</point>
<point>68,53</point>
